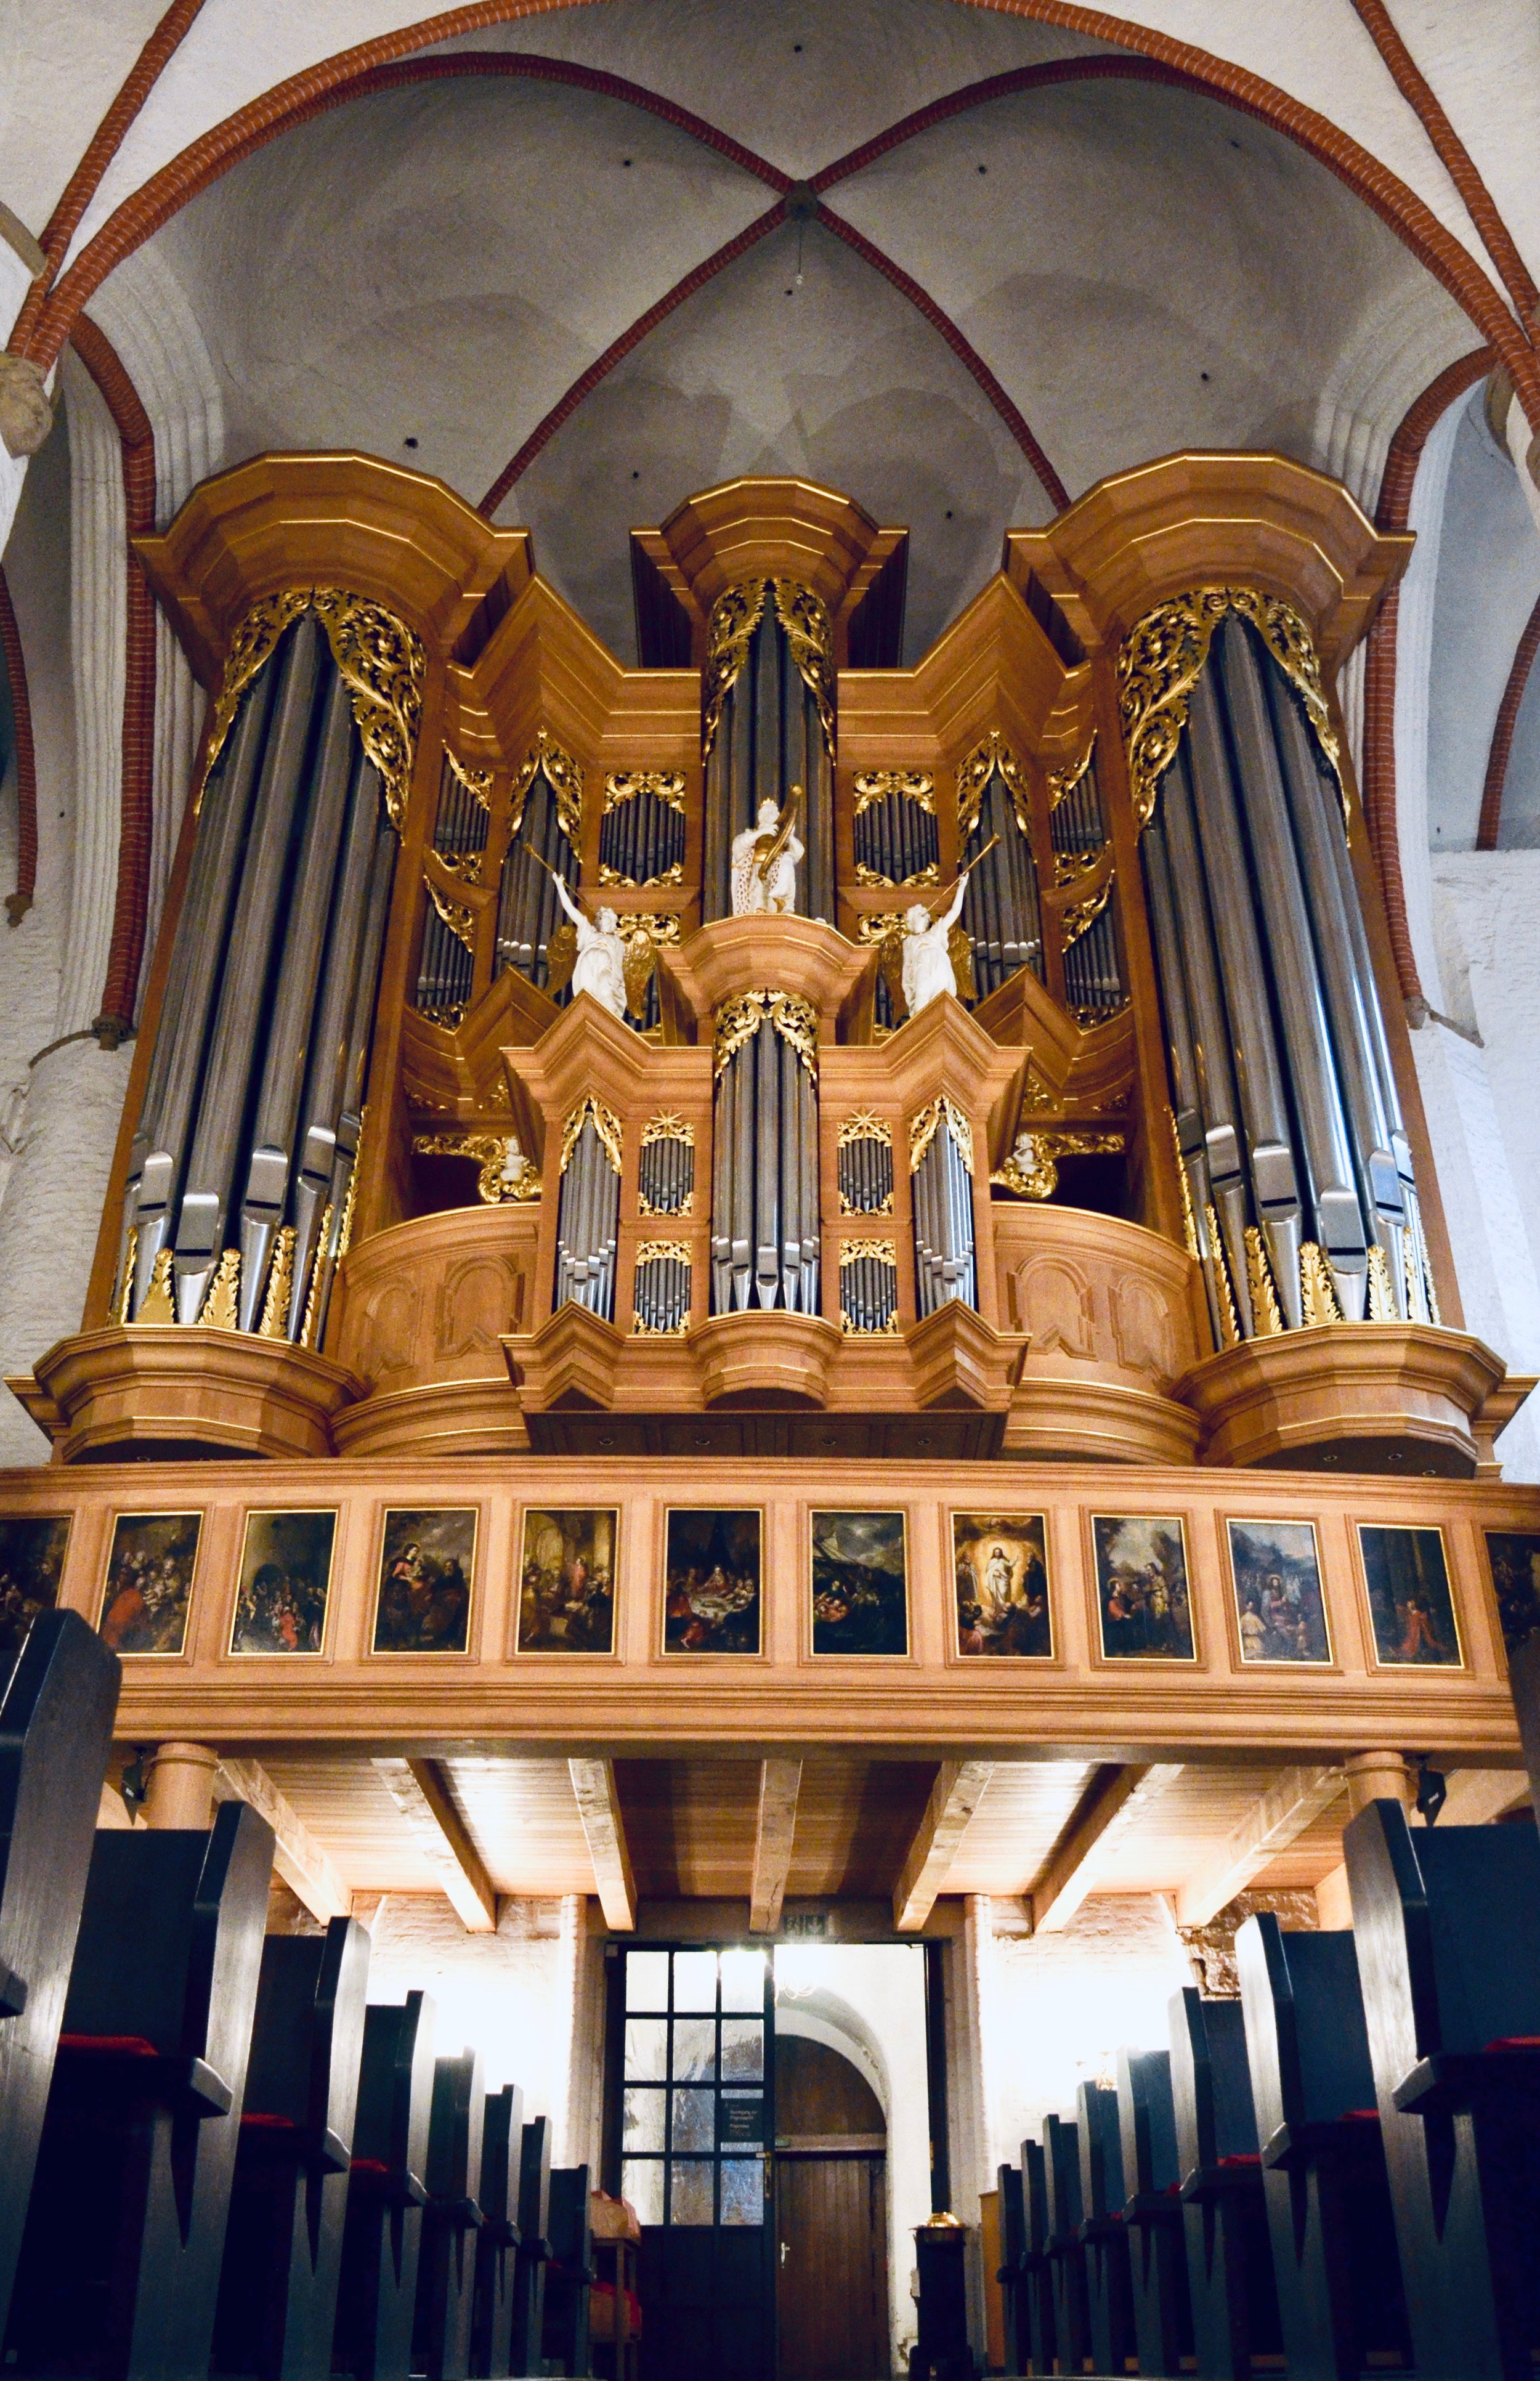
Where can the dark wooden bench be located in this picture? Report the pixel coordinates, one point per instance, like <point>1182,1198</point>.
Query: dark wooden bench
<point>1072,2307</point>
<point>534,2247</point>
<point>1010,2198</point>
<point>383,2234</point>
<point>1036,2264</point>
<point>1103,2235</point>
<point>1153,2211</point>
<point>283,2248</point>
<point>1446,1921</point>
<point>570,2272</point>
<point>55,1732</point>
<point>1229,2256</point>
<point>1338,2275</point>
<point>496,2242</point>
<point>120,2260</point>
<point>451,2220</point>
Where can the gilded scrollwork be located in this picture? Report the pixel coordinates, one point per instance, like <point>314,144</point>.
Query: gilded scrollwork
<point>1081,916</point>
<point>797,1023</point>
<point>506,1176</point>
<point>1164,656</point>
<point>460,921</point>
<point>624,785</point>
<point>990,753</point>
<point>477,782</point>
<point>875,785</point>
<point>805,620</point>
<point>562,774</point>
<point>667,1127</point>
<point>739,1019</point>
<point>735,616</point>
<point>864,1126</point>
<point>923,880</point>
<point>1032,1169</point>
<point>252,643</point>
<point>384,667</point>
<point>1062,782</point>
<point>605,1124</point>
<point>928,1124</point>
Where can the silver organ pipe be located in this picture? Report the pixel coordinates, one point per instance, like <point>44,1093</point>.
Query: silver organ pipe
<point>1281,1080</point>
<point>868,1287</point>
<point>941,1159</point>
<point>894,837</point>
<point>641,836</point>
<point>527,908</point>
<point>588,1216</point>
<point>264,1034</point>
<point>765,1244</point>
<point>770,734</point>
<point>1001,913</point>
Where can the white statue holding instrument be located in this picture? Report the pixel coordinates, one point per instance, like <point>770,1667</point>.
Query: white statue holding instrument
<point>599,962</point>
<point>764,860</point>
<point>931,960</point>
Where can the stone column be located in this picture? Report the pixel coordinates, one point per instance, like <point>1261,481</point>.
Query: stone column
<point>180,1791</point>
<point>1371,1777</point>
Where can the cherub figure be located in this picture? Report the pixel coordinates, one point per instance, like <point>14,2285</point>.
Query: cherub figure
<point>764,860</point>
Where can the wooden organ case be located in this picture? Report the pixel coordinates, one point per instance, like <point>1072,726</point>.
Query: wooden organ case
<point>1145,1185</point>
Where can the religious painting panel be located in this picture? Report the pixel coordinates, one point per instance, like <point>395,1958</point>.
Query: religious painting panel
<point>1001,1566</point>
<point>148,1591</point>
<point>427,1567</point>
<point>567,1584</point>
<point>32,1548</point>
<point>1514,1556</point>
<point>859,1583</point>
<point>1411,1605</point>
<point>1141,1591</point>
<point>712,1581</point>
<point>1279,1608</point>
<point>286,1576</point>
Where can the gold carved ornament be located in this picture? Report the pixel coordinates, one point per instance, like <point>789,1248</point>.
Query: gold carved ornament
<point>1267,1313</point>
<point>562,774</point>
<point>739,1019</point>
<point>506,1176</point>
<point>1382,1297</point>
<point>280,1287</point>
<point>804,619</point>
<point>667,1127</point>
<point>885,1253</point>
<point>1032,1169</point>
<point>220,1310</point>
<point>664,1252</point>
<point>605,1124</point>
<point>624,785</point>
<point>1062,782</point>
<point>735,616</point>
<point>476,782</point>
<point>924,880</point>
<point>1317,1296</point>
<point>1228,1318</point>
<point>124,1297</point>
<point>1079,917</point>
<point>864,1126</point>
<point>1164,656</point>
<point>460,921</point>
<point>875,785</point>
<point>928,1124</point>
<point>990,754</point>
<point>379,659</point>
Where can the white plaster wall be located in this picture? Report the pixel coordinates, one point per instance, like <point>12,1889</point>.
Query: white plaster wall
<point>1064,2005</point>
<point>1413,673</point>
<point>867,2000</point>
<point>98,612</point>
<point>507,1995</point>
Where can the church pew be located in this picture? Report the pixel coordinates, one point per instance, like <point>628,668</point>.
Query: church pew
<point>1323,2161</point>
<point>1108,2282</point>
<point>496,2242</point>
<point>383,2233</point>
<point>55,1732</point>
<point>1011,2275</point>
<point>120,2259</point>
<point>534,2246</point>
<point>1229,2260</point>
<point>283,2248</point>
<point>1153,2211</point>
<point>1523,1678</point>
<point>451,2220</point>
<point>1446,1921</point>
<point>570,2273</point>
<point>1071,2308</point>
<point>1036,2265</point>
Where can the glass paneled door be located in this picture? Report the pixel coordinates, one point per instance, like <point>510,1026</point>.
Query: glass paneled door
<point>695,2131</point>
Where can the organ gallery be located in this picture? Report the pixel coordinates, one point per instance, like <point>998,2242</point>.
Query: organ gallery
<point>774,1610</point>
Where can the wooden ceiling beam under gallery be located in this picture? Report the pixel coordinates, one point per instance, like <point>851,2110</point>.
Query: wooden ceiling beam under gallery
<point>779,1785</point>
<point>955,1795</point>
<point>298,1856</point>
<point>421,1794</point>
<point>1117,1797</point>
<point>1291,1804</point>
<point>605,1827</point>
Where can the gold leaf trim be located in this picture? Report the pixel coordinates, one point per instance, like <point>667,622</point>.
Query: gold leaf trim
<point>280,1287</point>
<point>669,1125</point>
<point>384,667</point>
<point>624,785</point>
<point>864,1126</point>
<point>875,785</point>
<point>1382,1298</point>
<point>928,1124</point>
<point>972,781</point>
<point>1079,917</point>
<point>664,1252</point>
<point>605,1124</point>
<point>496,1185</point>
<point>671,875</point>
<point>883,1252</point>
<point>250,647</point>
<point>804,619</point>
<point>158,1305</point>
<point>565,777</point>
<point>313,1293</point>
<point>460,921</point>
<point>1228,1316</point>
<point>1189,1221</point>
<point>735,616</point>
<point>1032,1169</point>
<point>1267,1313</point>
<point>1317,1296</point>
<point>739,1019</point>
<point>922,880</point>
<point>477,782</point>
<point>124,1299</point>
<point>1068,865</point>
<point>219,1310</point>
<point>1062,782</point>
<point>1162,658</point>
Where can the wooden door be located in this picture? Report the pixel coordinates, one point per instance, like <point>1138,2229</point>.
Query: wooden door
<point>831,2279</point>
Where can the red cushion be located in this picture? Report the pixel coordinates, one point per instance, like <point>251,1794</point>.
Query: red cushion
<point>1243,2157</point>
<point>1514,2042</point>
<point>110,2045</point>
<point>274,2124</point>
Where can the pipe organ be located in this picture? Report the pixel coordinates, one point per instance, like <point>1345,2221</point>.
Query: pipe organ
<point>993,1036</point>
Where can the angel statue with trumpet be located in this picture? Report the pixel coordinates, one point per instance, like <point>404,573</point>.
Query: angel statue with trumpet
<point>599,956</point>
<point>764,860</point>
<point>921,955</point>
